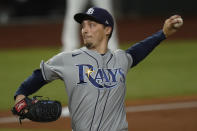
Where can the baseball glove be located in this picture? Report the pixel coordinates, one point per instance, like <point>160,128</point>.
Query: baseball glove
<point>37,110</point>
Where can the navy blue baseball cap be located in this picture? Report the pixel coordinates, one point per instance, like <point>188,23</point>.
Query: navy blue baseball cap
<point>99,15</point>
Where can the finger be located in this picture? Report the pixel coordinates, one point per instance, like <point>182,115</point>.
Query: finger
<point>174,17</point>
<point>177,20</point>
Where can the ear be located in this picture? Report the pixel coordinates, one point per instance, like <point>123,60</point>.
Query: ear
<point>108,30</point>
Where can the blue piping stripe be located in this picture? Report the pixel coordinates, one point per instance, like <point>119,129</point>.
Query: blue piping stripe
<point>103,110</point>
<point>92,57</point>
<point>98,90</point>
<point>109,60</point>
<point>107,96</point>
<point>95,109</point>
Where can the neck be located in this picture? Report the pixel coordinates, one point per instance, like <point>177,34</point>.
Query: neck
<point>100,47</point>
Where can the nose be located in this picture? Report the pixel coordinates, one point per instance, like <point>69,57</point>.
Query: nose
<point>85,28</point>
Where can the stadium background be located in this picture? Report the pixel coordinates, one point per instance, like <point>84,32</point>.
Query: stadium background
<point>30,30</point>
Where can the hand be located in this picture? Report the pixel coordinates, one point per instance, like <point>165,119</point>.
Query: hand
<point>38,110</point>
<point>19,98</point>
<point>169,27</point>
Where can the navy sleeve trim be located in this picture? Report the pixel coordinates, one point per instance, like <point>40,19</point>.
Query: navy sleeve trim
<point>141,49</point>
<point>31,84</point>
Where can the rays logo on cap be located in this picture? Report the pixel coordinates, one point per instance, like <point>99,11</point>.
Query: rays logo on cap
<point>90,11</point>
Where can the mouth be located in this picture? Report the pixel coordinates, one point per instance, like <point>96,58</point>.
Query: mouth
<point>87,37</point>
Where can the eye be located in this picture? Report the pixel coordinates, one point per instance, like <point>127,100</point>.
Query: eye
<point>92,24</point>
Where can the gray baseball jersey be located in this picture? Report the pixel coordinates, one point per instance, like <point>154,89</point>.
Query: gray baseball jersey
<point>95,85</point>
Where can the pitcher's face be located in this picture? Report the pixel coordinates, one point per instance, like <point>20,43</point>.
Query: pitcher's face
<point>93,33</point>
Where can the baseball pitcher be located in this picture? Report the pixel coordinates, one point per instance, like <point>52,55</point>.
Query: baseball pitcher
<point>95,76</point>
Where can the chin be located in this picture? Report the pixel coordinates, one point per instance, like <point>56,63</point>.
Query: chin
<point>89,45</point>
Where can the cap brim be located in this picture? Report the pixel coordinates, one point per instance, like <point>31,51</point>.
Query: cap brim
<point>82,16</point>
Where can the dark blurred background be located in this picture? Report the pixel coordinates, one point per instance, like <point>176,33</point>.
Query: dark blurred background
<point>16,10</point>
<point>25,20</point>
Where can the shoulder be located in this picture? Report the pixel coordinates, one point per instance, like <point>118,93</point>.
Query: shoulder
<point>68,54</point>
<point>123,57</point>
<point>119,53</point>
<point>76,52</point>
<point>62,58</point>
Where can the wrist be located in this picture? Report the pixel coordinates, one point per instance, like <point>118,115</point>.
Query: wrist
<point>164,32</point>
<point>19,98</point>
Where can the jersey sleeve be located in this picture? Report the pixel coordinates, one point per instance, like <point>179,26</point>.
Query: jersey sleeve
<point>130,60</point>
<point>143,48</point>
<point>124,58</point>
<point>52,69</point>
